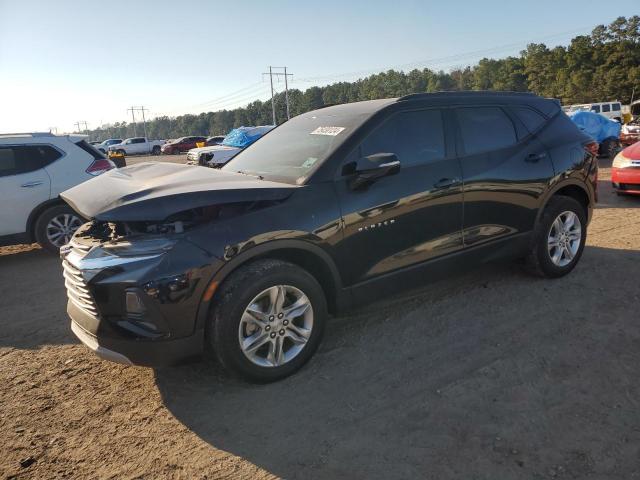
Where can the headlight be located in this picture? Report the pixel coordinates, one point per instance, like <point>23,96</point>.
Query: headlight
<point>139,247</point>
<point>621,161</point>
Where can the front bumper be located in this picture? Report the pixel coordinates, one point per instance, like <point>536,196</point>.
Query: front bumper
<point>626,180</point>
<point>129,351</point>
<point>167,328</point>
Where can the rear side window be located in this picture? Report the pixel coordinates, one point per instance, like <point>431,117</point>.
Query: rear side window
<point>485,128</point>
<point>137,140</point>
<point>415,137</point>
<point>95,153</point>
<point>19,159</point>
<point>606,108</point>
<point>595,108</point>
<point>531,119</point>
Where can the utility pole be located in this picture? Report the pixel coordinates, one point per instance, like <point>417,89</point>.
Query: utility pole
<point>78,125</point>
<point>271,74</point>
<point>144,121</point>
<point>133,119</point>
<point>140,109</point>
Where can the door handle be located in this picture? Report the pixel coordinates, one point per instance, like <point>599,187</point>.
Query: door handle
<point>32,184</point>
<point>446,182</point>
<point>534,157</point>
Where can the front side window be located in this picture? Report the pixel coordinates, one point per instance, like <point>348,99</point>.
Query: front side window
<point>416,138</point>
<point>616,107</point>
<point>19,159</point>
<point>483,129</point>
<point>606,108</point>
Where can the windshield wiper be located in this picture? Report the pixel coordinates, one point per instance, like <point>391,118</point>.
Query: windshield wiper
<point>244,172</point>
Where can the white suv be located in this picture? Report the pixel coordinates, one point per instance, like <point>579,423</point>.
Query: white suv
<point>34,169</point>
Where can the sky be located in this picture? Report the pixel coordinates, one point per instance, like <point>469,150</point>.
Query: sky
<point>68,61</point>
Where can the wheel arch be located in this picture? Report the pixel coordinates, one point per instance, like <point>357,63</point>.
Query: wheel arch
<point>573,189</point>
<point>36,212</point>
<point>306,255</point>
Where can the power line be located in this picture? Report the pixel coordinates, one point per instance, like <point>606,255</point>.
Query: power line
<point>438,60</point>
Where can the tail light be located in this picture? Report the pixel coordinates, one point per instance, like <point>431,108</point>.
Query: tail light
<point>100,166</point>
<point>592,148</point>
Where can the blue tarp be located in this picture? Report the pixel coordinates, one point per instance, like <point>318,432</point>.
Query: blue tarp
<point>597,126</point>
<point>242,137</point>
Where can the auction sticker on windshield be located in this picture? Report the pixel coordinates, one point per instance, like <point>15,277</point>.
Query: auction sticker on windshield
<point>331,131</point>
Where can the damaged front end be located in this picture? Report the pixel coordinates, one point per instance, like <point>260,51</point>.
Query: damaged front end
<point>134,274</point>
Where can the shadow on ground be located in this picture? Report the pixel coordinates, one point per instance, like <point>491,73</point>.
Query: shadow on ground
<point>495,373</point>
<point>33,300</point>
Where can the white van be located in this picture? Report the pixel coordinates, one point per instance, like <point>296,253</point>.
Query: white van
<point>611,110</point>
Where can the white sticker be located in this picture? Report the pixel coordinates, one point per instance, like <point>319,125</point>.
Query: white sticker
<point>331,131</point>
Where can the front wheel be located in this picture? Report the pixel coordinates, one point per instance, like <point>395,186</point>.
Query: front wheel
<point>55,227</point>
<point>559,238</point>
<point>268,320</point>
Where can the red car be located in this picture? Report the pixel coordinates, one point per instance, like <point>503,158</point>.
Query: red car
<point>625,170</point>
<point>181,145</point>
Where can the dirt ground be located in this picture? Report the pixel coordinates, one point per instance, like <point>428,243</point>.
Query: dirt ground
<point>490,375</point>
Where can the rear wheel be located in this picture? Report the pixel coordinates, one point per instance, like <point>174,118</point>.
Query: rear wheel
<point>559,238</point>
<point>55,227</point>
<point>609,147</point>
<point>268,320</point>
<point>155,150</point>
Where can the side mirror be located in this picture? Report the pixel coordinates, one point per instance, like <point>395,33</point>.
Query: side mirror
<point>371,168</point>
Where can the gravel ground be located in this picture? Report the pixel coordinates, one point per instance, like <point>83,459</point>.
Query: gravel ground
<point>489,375</point>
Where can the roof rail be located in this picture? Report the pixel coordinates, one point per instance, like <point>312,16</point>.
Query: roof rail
<point>463,93</point>
<point>28,134</point>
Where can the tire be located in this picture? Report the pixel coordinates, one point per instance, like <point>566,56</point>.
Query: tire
<point>155,150</point>
<point>543,259</point>
<point>609,148</point>
<point>59,219</point>
<point>251,285</point>
<point>123,152</point>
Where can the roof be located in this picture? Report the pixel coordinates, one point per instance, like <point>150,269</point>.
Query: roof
<point>369,107</point>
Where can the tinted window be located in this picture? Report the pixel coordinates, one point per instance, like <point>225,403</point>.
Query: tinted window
<point>485,128</point>
<point>95,153</point>
<point>595,108</point>
<point>137,140</point>
<point>615,107</point>
<point>531,119</point>
<point>606,108</point>
<point>415,137</point>
<point>26,158</point>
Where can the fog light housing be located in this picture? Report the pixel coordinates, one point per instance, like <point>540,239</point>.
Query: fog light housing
<point>133,303</point>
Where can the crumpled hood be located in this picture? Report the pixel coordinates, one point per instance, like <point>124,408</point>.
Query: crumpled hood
<point>215,148</point>
<point>154,191</point>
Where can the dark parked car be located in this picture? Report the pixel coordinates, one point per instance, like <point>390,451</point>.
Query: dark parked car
<point>215,140</point>
<point>181,145</point>
<point>333,208</point>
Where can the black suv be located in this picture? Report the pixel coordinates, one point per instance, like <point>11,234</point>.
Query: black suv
<point>333,208</point>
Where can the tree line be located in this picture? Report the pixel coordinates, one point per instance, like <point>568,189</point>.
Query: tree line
<point>604,65</point>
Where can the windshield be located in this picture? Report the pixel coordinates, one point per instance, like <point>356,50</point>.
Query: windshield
<point>295,149</point>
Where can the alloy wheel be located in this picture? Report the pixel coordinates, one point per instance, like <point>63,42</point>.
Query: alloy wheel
<point>276,326</point>
<point>61,228</point>
<point>563,240</point>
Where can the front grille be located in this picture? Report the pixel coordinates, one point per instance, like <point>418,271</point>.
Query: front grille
<point>77,289</point>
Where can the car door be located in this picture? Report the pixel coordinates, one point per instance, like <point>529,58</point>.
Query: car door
<point>505,171</point>
<point>139,146</point>
<point>407,218</point>
<point>24,183</point>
